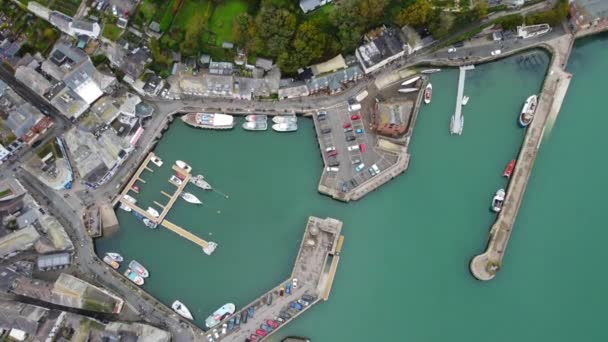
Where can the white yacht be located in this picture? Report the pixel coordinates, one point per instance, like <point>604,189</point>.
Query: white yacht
<point>181,309</point>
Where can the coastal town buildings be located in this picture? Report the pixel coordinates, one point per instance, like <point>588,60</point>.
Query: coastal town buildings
<point>588,13</point>
<point>392,118</point>
<point>66,24</point>
<point>381,47</point>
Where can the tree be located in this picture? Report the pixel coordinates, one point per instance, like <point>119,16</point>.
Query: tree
<point>243,30</point>
<point>308,45</point>
<point>372,11</point>
<point>417,14</point>
<point>480,10</point>
<point>350,25</point>
<point>274,29</point>
<point>192,36</point>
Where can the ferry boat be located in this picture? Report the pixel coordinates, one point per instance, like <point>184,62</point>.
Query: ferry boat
<point>527,112</point>
<point>153,212</point>
<point>139,269</point>
<point>255,126</point>
<point>465,100</point>
<point>115,256</point>
<point>411,80</point>
<point>113,263</point>
<point>199,181</point>
<point>289,119</point>
<point>428,93</point>
<point>157,161</point>
<point>219,314</point>
<point>285,127</point>
<point>134,277</point>
<point>256,118</point>
<point>181,309</point>
<point>430,71</point>
<point>183,165</point>
<point>407,90</point>
<point>150,224</point>
<point>498,200</point>
<point>190,198</point>
<point>175,180</point>
<point>509,169</point>
<point>209,120</point>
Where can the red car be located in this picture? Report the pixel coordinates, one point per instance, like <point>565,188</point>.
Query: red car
<point>332,153</point>
<point>261,332</point>
<point>272,324</point>
<point>355,117</point>
<point>346,125</point>
<point>254,337</point>
<point>362,148</point>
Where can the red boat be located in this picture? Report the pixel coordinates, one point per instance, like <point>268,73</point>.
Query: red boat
<point>135,188</point>
<point>509,169</point>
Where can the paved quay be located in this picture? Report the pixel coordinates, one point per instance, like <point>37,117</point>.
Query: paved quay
<point>313,275</point>
<point>485,266</point>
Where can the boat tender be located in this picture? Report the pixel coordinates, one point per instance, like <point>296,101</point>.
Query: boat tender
<point>428,93</point>
<point>175,180</point>
<point>285,127</point>
<point>153,212</point>
<point>407,90</point>
<point>255,126</point>
<point>465,100</point>
<point>199,181</point>
<point>219,314</point>
<point>134,277</point>
<point>157,161</point>
<point>183,165</point>
<point>181,309</point>
<point>190,198</point>
<point>509,169</point>
<point>498,200</point>
<point>139,269</point>
<point>149,224</point>
<point>113,263</point>
<point>411,80</point>
<point>527,112</point>
<point>115,256</point>
<point>256,118</point>
<point>279,119</point>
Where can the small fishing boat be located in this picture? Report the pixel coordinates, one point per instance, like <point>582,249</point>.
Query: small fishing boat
<point>157,161</point>
<point>255,126</point>
<point>139,269</point>
<point>285,127</point>
<point>407,90</point>
<point>153,212</point>
<point>279,119</point>
<point>256,118</point>
<point>465,100</point>
<point>428,93</point>
<point>129,199</point>
<point>135,188</point>
<point>199,181</point>
<point>498,200</point>
<point>183,165</point>
<point>190,198</point>
<point>149,223</point>
<point>509,169</point>
<point>115,256</point>
<point>175,180</point>
<point>134,277</point>
<point>181,309</point>
<point>410,81</point>
<point>527,112</point>
<point>219,314</point>
<point>430,71</point>
<point>113,263</point>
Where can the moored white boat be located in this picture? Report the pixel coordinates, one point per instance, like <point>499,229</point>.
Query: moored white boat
<point>115,256</point>
<point>157,161</point>
<point>149,223</point>
<point>209,120</point>
<point>199,181</point>
<point>410,81</point>
<point>498,200</point>
<point>175,180</point>
<point>430,71</point>
<point>255,126</point>
<point>138,280</point>
<point>183,165</point>
<point>407,90</point>
<point>139,269</point>
<point>527,112</point>
<point>465,100</point>
<point>428,93</point>
<point>285,119</point>
<point>190,198</point>
<point>181,309</point>
<point>285,127</point>
<point>129,199</point>
<point>153,212</point>
<point>113,263</point>
<point>256,118</point>
<point>219,314</point>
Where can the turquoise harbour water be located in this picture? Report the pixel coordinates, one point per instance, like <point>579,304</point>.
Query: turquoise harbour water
<point>404,273</point>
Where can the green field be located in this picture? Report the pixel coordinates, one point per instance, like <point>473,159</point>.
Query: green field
<point>223,17</point>
<point>111,31</point>
<point>190,12</point>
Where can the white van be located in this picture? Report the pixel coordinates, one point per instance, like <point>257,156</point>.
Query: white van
<point>332,169</point>
<point>376,169</point>
<point>353,148</point>
<point>354,107</point>
<point>329,149</point>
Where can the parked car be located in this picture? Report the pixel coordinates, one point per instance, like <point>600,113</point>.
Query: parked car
<point>353,147</point>
<point>295,305</point>
<point>308,298</point>
<point>333,162</point>
<point>284,315</point>
<point>359,131</point>
<point>294,283</point>
<point>326,130</point>
<point>359,167</point>
<point>332,153</point>
<point>344,187</point>
<point>261,333</point>
<point>496,52</point>
<point>346,125</point>
<point>355,117</point>
<point>353,183</point>
<point>216,334</point>
<point>272,324</point>
<point>376,169</point>
<point>288,289</point>
<point>362,148</point>
<point>350,137</point>
<point>356,161</point>
<point>279,319</point>
<point>347,130</point>
<point>329,149</point>
<point>303,302</point>
<point>354,107</point>
<point>330,169</point>
<point>224,328</point>
<point>254,337</point>
<point>452,50</point>
<point>266,327</point>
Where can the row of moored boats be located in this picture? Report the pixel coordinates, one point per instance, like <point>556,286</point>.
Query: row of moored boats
<point>254,122</point>
<point>413,85</point>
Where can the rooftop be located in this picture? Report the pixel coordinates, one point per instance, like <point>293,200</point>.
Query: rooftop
<point>18,241</point>
<point>381,46</point>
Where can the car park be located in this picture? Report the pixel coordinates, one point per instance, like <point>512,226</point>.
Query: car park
<point>355,117</point>
<point>359,167</point>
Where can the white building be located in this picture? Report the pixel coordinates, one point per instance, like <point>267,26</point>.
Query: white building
<point>4,153</point>
<point>383,46</point>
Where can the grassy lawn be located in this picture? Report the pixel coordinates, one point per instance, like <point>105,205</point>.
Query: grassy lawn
<point>50,147</point>
<point>111,31</point>
<point>223,17</point>
<point>321,16</point>
<point>5,193</point>
<point>68,7</point>
<point>189,9</point>
<point>167,16</point>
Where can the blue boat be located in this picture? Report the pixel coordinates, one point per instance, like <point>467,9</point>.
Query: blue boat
<point>250,311</point>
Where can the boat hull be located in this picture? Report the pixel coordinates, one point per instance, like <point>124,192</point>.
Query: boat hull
<point>115,256</point>
<point>255,126</point>
<point>181,309</point>
<point>209,121</point>
<point>219,314</point>
<point>410,81</point>
<point>284,119</point>
<point>139,269</point>
<point>428,93</point>
<point>284,127</point>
